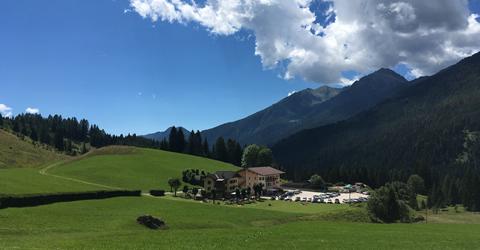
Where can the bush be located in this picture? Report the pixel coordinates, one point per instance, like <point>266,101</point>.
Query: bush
<point>151,222</point>
<point>390,204</point>
<point>157,192</point>
<point>43,199</point>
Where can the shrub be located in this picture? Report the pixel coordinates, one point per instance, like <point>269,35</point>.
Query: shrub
<point>157,192</point>
<point>42,199</point>
<point>390,204</point>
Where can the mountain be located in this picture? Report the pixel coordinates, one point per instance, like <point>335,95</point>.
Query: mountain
<point>423,129</point>
<point>310,108</point>
<point>159,136</point>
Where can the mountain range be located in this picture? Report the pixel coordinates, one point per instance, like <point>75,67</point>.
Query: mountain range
<point>310,108</point>
<point>425,128</point>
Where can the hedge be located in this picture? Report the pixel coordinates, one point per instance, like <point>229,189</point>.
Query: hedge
<point>157,192</point>
<point>42,199</point>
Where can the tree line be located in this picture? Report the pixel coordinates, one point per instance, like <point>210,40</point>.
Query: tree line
<point>223,150</point>
<point>68,135</point>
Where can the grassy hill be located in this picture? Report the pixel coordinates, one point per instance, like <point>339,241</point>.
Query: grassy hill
<point>30,181</point>
<point>110,224</point>
<point>134,168</point>
<point>15,152</point>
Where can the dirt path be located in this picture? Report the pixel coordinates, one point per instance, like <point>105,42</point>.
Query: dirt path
<point>44,171</point>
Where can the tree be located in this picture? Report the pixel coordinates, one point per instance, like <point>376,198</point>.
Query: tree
<point>206,148</point>
<point>265,157</point>
<point>317,181</point>
<point>83,149</point>
<point>174,184</point>
<point>258,188</point>
<point>194,192</point>
<point>221,150</point>
<point>249,157</point>
<point>58,140</point>
<point>389,203</point>
<point>180,140</point>
<point>416,183</point>
<point>173,140</point>
<point>185,190</point>
<point>34,135</point>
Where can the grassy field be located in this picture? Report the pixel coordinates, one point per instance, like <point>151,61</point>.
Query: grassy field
<point>15,152</point>
<point>29,181</point>
<point>135,168</point>
<point>110,224</point>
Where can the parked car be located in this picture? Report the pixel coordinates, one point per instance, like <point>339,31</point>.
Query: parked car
<point>297,191</point>
<point>304,199</point>
<point>309,199</point>
<point>315,200</point>
<point>337,201</point>
<point>297,198</point>
<point>329,201</point>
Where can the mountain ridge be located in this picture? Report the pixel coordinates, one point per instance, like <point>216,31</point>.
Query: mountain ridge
<point>310,108</point>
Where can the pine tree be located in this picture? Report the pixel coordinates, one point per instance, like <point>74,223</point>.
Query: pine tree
<point>221,150</point>
<point>206,148</point>
<point>181,140</point>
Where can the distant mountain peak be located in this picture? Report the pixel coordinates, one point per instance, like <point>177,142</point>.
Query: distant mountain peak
<point>164,134</point>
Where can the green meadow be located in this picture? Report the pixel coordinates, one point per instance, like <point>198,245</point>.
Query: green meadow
<point>111,223</point>
<point>135,168</point>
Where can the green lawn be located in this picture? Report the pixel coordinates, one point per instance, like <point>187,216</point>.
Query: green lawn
<point>110,224</point>
<point>29,181</point>
<point>135,168</point>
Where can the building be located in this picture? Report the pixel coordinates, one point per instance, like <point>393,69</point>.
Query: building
<point>223,182</point>
<point>268,176</point>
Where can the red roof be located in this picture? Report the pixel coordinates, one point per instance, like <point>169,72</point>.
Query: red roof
<point>266,170</point>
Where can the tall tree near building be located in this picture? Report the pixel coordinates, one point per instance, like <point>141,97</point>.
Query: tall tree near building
<point>221,150</point>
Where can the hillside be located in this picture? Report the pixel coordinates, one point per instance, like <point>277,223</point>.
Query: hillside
<point>15,152</point>
<point>134,168</point>
<point>310,108</point>
<point>422,130</point>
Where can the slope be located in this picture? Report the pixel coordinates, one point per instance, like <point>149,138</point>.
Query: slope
<point>134,168</point>
<point>311,108</point>
<point>15,152</point>
<point>422,128</point>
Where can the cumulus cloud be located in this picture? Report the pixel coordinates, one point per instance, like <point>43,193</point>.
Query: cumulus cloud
<point>360,36</point>
<point>5,110</point>
<point>32,110</point>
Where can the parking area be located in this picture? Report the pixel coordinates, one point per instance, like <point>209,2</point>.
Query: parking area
<point>319,197</point>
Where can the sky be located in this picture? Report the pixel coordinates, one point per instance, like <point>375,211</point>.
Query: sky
<point>140,66</point>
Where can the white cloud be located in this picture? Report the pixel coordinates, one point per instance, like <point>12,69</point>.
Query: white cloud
<point>364,36</point>
<point>5,110</point>
<point>32,110</point>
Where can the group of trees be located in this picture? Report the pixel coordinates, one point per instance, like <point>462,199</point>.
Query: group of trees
<point>68,134</point>
<point>227,151</point>
<point>256,156</point>
<point>396,200</point>
<point>194,176</point>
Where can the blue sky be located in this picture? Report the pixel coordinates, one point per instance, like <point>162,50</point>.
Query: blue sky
<point>91,60</point>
